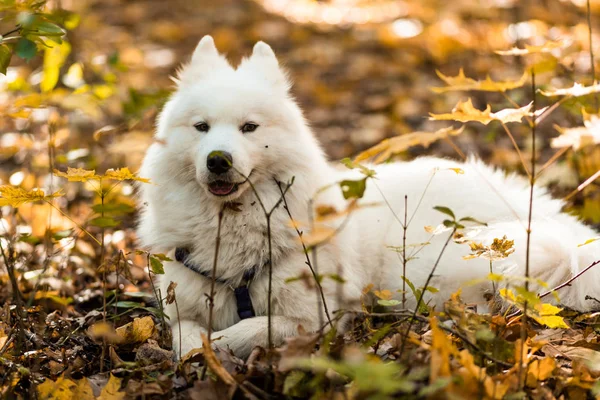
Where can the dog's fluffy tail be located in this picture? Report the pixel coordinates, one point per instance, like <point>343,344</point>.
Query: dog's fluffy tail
<point>557,253</point>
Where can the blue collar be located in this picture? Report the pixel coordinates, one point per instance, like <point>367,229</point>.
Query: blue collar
<point>242,292</point>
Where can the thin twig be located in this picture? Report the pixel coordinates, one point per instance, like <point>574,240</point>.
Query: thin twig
<point>567,283</point>
<point>211,297</point>
<point>516,146</point>
<point>424,289</point>
<point>522,368</point>
<point>404,260</point>
<point>551,161</point>
<point>308,263</point>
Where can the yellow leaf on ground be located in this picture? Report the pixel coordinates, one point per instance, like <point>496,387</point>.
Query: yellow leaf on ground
<point>462,83</point>
<point>441,350</point>
<point>15,196</point>
<point>540,370</point>
<point>137,331</point>
<point>466,112</point>
<point>111,390</point>
<point>65,389</point>
<point>388,147</point>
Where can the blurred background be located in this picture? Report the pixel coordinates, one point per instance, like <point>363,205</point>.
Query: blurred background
<point>82,82</point>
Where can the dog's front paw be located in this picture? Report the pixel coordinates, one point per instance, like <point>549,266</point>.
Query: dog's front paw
<point>189,339</point>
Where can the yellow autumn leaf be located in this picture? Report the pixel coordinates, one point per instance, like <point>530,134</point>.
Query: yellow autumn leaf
<point>540,370</point>
<point>462,83</point>
<point>54,58</point>
<point>383,294</point>
<point>576,90</point>
<point>137,331</point>
<point>65,389</point>
<point>111,390</point>
<point>547,47</point>
<point>78,174</point>
<point>578,137</point>
<point>592,240</point>
<point>546,315</point>
<point>123,174</point>
<point>317,235</point>
<point>388,147</point>
<point>442,348</point>
<point>465,112</point>
<point>15,196</point>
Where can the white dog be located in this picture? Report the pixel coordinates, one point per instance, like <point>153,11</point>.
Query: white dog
<point>227,134</point>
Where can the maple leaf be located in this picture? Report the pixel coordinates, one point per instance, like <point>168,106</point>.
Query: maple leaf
<point>547,47</point>
<point>576,90</point>
<point>465,112</point>
<point>123,174</point>
<point>64,388</point>
<point>15,196</point>
<point>581,136</point>
<point>462,83</point>
<point>545,314</point>
<point>388,147</point>
<point>112,389</point>
<point>78,174</point>
<point>499,249</point>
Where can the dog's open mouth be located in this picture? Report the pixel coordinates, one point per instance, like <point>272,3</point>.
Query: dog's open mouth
<point>223,188</point>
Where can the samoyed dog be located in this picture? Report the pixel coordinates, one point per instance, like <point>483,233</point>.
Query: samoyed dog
<point>231,140</point>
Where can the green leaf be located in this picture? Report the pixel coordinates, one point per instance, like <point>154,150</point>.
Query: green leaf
<point>336,278</point>
<point>156,266</point>
<point>445,210</point>
<point>352,165</point>
<point>49,29</point>
<point>353,189</point>
<point>162,257</point>
<point>128,304</point>
<point>471,219</point>
<point>388,303</point>
<point>25,49</point>
<point>5,56</point>
<point>104,222</point>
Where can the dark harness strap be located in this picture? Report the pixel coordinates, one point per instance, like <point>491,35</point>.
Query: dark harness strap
<point>242,292</point>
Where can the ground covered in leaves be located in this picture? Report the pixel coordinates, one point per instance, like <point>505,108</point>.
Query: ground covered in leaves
<point>84,322</point>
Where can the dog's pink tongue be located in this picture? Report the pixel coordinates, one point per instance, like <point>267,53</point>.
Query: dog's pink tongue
<point>221,188</point>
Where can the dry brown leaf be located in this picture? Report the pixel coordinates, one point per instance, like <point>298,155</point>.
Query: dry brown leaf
<point>462,83</point>
<point>214,364</point>
<point>388,147</point>
<point>137,331</point>
<point>466,112</point>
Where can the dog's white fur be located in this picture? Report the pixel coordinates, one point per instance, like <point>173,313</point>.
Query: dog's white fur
<point>178,210</point>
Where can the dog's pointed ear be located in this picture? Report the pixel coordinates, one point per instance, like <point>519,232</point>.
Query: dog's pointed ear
<point>205,59</point>
<point>205,50</point>
<point>264,62</point>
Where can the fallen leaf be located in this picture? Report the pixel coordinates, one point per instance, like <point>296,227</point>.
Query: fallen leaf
<point>462,83</point>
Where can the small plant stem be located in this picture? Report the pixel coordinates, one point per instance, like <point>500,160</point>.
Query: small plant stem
<point>592,64</point>
<point>102,255</point>
<point>583,185</point>
<point>551,161</point>
<point>179,323</point>
<point>404,260</point>
<point>313,252</point>
<point>423,290</point>
<point>10,267</point>
<point>516,146</point>
<point>567,283</point>
<point>211,297</point>
<point>522,368</point>
<point>308,263</point>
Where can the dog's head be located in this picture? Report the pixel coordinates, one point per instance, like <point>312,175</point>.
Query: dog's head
<point>230,125</point>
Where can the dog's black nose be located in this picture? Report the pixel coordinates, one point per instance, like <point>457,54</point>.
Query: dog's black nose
<point>219,162</point>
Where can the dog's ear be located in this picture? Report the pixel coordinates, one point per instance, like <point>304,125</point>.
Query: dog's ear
<point>264,62</point>
<point>205,59</point>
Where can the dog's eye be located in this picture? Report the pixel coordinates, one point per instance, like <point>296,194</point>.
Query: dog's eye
<point>248,127</point>
<point>202,127</point>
